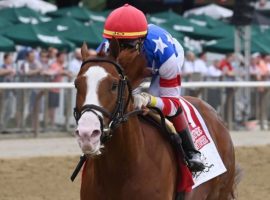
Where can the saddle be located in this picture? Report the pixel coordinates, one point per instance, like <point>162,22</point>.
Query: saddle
<point>156,117</point>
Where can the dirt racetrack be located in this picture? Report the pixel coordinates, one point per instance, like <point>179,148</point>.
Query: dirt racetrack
<point>47,178</point>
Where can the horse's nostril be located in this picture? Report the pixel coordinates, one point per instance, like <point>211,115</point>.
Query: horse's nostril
<point>95,133</point>
<point>77,133</point>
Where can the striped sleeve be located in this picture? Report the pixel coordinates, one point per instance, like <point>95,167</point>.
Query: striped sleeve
<point>169,86</point>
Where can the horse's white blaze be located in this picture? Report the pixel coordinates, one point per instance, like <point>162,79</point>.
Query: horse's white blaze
<point>89,123</point>
<point>94,76</point>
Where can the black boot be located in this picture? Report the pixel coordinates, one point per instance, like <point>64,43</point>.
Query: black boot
<point>193,155</point>
<point>177,144</point>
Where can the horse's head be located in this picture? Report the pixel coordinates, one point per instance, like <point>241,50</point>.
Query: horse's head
<point>102,97</point>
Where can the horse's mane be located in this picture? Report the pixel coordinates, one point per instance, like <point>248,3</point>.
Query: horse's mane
<point>134,64</point>
<point>132,57</point>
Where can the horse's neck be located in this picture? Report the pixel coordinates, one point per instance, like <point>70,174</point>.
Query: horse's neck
<point>125,147</point>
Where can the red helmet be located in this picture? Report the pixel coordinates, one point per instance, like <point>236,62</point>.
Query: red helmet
<point>126,22</point>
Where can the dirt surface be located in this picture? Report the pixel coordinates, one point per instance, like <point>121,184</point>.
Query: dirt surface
<point>60,144</point>
<point>39,168</point>
<point>47,178</point>
<point>44,178</point>
<point>255,162</point>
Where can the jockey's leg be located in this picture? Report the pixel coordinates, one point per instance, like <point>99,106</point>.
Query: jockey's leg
<point>194,156</point>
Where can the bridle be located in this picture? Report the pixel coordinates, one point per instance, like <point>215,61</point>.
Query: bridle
<point>118,115</point>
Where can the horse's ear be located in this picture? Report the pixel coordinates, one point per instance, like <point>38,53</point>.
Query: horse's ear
<point>101,52</point>
<point>114,48</point>
<point>84,52</point>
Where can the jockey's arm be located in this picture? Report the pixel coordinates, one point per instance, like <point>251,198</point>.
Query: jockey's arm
<point>169,87</point>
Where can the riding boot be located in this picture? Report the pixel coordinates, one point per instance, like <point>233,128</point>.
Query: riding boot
<point>193,156</point>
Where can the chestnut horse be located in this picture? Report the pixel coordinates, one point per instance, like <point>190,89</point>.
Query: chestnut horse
<point>137,163</point>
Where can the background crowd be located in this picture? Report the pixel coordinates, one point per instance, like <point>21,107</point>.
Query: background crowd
<point>45,51</point>
<point>52,65</point>
<point>229,68</point>
<point>31,65</point>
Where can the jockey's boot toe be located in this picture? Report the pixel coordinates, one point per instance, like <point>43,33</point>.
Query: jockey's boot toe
<point>195,162</point>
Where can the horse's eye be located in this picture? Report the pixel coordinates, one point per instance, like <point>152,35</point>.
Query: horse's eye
<point>114,86</point>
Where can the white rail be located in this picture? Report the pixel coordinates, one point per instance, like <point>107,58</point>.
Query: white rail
<point>207,84</point>
<point>36,85</point>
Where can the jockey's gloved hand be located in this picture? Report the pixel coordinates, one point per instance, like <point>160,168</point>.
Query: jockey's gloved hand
<point>142,100</point>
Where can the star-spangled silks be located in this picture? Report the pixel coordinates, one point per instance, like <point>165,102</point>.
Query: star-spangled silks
<point>160,45</point>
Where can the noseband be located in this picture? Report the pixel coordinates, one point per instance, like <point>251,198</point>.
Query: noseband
<point>118,115</point>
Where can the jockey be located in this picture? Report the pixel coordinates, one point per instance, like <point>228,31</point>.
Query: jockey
<point>165,57</point>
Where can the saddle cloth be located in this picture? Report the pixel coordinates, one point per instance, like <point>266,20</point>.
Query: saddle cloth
<point>204,143</point>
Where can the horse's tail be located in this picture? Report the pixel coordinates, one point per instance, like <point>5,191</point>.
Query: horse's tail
<point>237,178</point>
